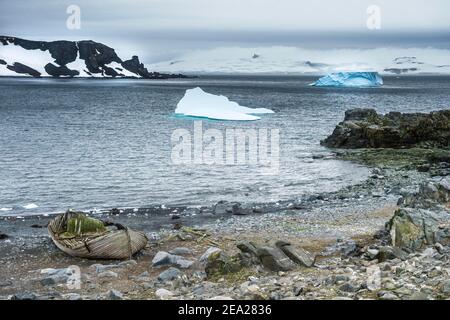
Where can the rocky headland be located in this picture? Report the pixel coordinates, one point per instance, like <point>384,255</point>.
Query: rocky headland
<point>387,238</point>
<point>70,59</point>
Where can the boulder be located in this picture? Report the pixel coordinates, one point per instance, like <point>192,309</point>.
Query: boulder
<point>210,251</point>
<point>219,263</point>
<point>274,259</point>
<point>298,255</point>
<point>390,253</point>
<point>423,218</point>
<point>163,258</point>
<point>55,276</point>
<point>169,275</point>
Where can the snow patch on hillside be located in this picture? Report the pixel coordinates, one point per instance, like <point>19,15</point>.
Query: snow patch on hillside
<point>36,59</point>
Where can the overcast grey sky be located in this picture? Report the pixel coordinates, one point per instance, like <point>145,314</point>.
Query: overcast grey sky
<point>159,29</point>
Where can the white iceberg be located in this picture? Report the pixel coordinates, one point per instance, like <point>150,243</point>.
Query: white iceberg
<point>198,103</point>
<point>350,79</point>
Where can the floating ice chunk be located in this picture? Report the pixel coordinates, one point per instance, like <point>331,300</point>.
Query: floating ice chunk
<point>31,206</point>
<point>350,79</point>
<point>198,103</point>
<point>6,209</point>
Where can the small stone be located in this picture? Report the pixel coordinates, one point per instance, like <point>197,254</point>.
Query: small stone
<point>164,294</point>
<point>128,263</point>
<point>115,295</point>
<point>419,296</point>
<point>169,275</point>
<point>161,258</point>
<point>439,247</point>
<point>298,291</point>
<point>107,274</point>
<point>349,287</point>
<point>390,253</point>
<point>181,263</point>
<point>24,296</point>
<point>181,251</point>
<point>99,268</point>
<point>372,253</point>
<point>388,296</point>
<point>445,288</point>
<point>222,298</point>
<point>73,297</point>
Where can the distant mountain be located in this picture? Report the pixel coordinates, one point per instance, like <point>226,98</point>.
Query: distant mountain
<point>19,57</point>
<point>295,60</point>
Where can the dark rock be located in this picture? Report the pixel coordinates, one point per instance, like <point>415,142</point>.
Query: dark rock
<point>220,208</point>
<point>163,258</point>
<point>115,211</point>
<point>274,259</point>
<point>364,128</point>
<point>298,255</point>
<point>36,226</point>
<point>169,275</point>
<point>24,296</point>
<point>2,62</point>
<point>61,71</point>
<point>390,253</point>
<point>3,236</point>
<point>349,287</point>
<point>247,247</point>
<point>23,69</point>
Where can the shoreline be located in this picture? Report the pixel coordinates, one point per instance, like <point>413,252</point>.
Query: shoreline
<point>386,238</point>
<point>324,224</point>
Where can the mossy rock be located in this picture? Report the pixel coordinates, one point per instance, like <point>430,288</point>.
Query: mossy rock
<point>221,264</point>
<point>80,225</point>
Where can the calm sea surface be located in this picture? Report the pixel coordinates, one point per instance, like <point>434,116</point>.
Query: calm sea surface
<point>87,144</point>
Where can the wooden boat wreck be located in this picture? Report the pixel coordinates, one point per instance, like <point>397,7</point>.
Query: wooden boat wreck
<point>103,241</point>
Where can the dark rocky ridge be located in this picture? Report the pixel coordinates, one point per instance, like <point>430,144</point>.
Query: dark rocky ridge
<point>23,69</point>
<point>95,55</point>
<point>365,128</point>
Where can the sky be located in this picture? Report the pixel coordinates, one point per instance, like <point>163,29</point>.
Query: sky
<point>159,30</point>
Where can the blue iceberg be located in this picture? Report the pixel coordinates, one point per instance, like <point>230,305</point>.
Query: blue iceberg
<point>350,79</point>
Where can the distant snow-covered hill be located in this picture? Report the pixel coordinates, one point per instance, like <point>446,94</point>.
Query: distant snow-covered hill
<point>293,60</point>
<point>19,57</point>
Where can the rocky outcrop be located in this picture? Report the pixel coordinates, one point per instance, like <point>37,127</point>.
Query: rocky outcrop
<point>423,218</point>
<point>57,71</point>
<point>96,58</point>
<point>282,256</point>
<point>365,128</point>
<point>23,69</point>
